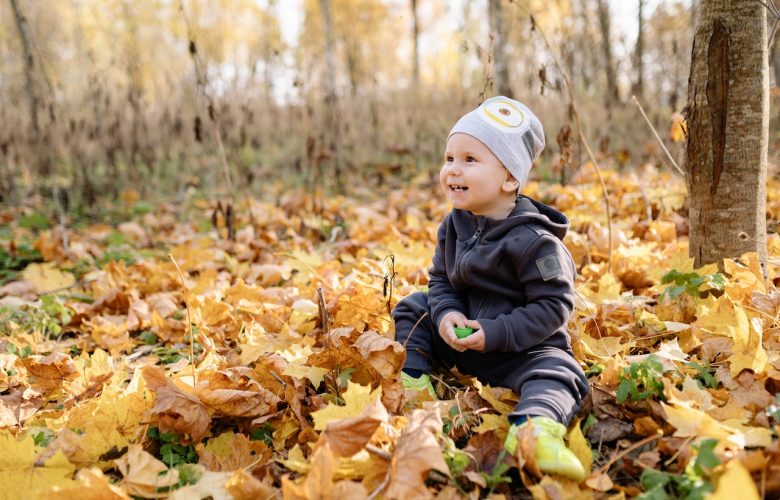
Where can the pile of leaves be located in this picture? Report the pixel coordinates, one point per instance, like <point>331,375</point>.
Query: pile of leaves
<point>185,353</point>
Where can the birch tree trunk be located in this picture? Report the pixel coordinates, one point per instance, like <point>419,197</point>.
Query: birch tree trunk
<point>500,68</point>
<point>728,119</point>
<point>611,97</point>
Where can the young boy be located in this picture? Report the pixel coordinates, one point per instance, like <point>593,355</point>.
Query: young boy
<point>501,268</point>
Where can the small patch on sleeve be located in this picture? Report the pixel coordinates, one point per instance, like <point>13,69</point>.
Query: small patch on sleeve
<point>549,267</point>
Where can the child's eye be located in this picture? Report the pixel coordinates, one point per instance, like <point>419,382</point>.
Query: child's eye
<point>470,159</point>
<point>448,159</point>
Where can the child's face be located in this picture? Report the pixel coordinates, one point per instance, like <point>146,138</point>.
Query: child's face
<point>474,179</point>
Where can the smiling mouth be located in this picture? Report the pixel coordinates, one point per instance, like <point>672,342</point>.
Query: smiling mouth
<point>459,188</point>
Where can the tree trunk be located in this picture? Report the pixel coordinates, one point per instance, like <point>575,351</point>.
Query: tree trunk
<point>416,46</point>
<point>728,119</point>
<point>29,66</point>
<point>331,132</point>
<point>639,85</point>
<point>500,67</point>
<point>611,96</point>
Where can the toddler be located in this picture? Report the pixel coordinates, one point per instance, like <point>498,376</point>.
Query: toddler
<point>501,268</point>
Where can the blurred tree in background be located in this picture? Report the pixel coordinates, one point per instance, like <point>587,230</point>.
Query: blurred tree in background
<point>96,96</point>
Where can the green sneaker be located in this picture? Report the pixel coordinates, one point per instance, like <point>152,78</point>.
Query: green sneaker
<point>552,455</point>
<point>423,383</point>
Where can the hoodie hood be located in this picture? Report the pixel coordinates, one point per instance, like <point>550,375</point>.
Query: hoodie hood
<point>526,211</point>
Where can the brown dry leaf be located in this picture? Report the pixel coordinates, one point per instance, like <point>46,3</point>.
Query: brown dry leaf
<point>416,453</point>
<point>346,357</point>
<point>244,486</point>
<point>318,483</point>
<point>231,452</point>
<point>386,356</point>
<point>19,405</point>
<point>525,453</point>
<point>349,435</point>
<point>93,485</point>
<point>50,371</point>
<point>235,393</point>
<point>599,481</point>
<point>175,409</point>
<point>142,473</point>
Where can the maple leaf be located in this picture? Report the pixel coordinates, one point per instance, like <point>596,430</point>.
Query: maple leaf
<point>231,452</point>
<point>735,482</point>
<point>385,355</point>
<point>347,436</point>
<point>49,372</point>
<point>144,475</point>
<point>92,485</point>
<point>46,277</point>
<point>244,486</point>
<point>210,485</point>
<point>22,476</point>
<point>318,482</point>
<point>97,426</point>
<point>176,410</point>
<point>356,399</point>
<point>234,392</point>
<point>416,453</point>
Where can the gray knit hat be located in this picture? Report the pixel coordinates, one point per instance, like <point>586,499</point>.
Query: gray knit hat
<point>509,129</point>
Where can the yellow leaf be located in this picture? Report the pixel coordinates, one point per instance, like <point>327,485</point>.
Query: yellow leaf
<point>580,446</point>
<point>735,482</point>
<point>112,420</point>
<point>92,485</point>
<point>357,397</point>
<point>313,373</point>
<point>604,347</point>
<point>20,477</point>
<point>486,393</point>
<point>677,130</point>
<point>46,277</point>
<point>490,422</point>
<point>210,485</point>
<point>731,320</point>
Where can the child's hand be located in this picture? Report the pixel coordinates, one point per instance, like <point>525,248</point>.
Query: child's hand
<point>447,329</point>
<point>475,341</point>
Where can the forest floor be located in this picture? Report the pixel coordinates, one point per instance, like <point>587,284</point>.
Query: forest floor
<point>286,381</point>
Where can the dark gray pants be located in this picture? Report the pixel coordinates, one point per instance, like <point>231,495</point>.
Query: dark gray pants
<point>549,380</point>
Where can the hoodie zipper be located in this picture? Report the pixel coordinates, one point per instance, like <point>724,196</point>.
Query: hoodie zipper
<point>473,242</point>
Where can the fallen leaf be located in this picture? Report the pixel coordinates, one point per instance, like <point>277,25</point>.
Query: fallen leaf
<point>21,476</point>
<point>142,474</point>
<point>175,409</point>
<point>46,277</point>
<point>348,436</point>
<point>92,485</point>
<point>416,453</point>
<point>735,482</point>
<point>356,398</point>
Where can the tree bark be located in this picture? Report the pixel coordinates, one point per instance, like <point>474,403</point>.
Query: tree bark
<point>728,119</point>
<point>611,97</point>
<point>500,67</point>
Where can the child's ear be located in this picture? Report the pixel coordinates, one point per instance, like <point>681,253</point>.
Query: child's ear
<point>510,185</point>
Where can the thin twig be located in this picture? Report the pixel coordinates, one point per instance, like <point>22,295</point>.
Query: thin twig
<point>649,439</point>
<point>580,133</point>
<point>189,319</point>
<point>658,137</point>
<point>380,487</point>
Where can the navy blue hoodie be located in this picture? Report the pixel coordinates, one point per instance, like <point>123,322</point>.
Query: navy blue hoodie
<point>513,275</point>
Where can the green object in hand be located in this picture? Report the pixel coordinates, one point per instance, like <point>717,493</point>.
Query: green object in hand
<point>463,331</point>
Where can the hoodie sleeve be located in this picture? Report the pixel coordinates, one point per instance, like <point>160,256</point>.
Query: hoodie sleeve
<point>442,297</point>
<point>546,273</point>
